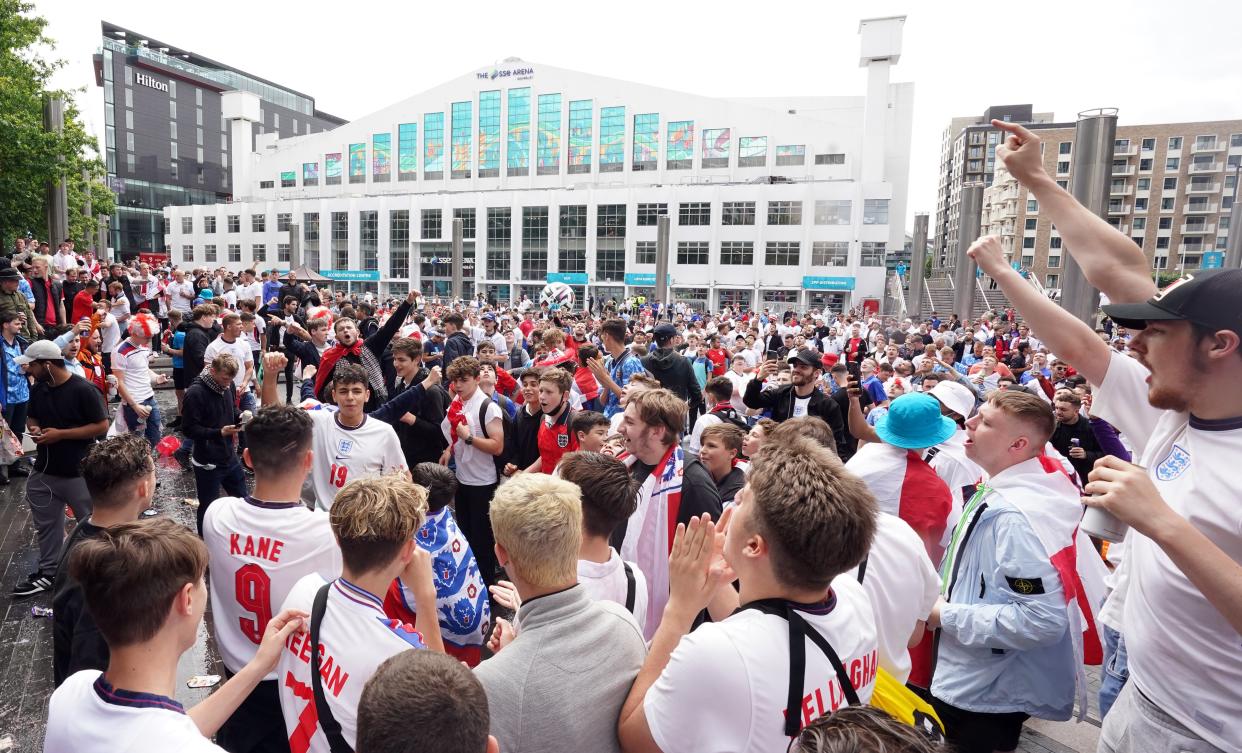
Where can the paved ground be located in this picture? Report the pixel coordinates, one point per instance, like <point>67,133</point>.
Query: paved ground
<point>26,641</point>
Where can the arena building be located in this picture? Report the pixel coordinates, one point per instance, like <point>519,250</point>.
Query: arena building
<point>560,175</point>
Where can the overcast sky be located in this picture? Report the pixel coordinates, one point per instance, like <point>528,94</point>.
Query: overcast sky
<point>1155,61</point>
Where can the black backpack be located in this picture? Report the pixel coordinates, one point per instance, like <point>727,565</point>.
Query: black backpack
<point>730,416</point>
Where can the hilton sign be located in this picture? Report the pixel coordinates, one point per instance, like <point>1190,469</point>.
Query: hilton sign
<point>145,80</point>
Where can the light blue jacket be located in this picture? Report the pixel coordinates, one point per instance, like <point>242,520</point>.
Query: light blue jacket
<point>1002,650</point>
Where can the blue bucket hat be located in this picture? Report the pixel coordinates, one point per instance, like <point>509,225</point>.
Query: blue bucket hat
<point>914,421</point>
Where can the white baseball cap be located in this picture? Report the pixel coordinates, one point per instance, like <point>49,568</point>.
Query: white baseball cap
<point>955,397</point>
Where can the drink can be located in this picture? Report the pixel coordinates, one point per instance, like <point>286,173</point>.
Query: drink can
<point>1102,524</point>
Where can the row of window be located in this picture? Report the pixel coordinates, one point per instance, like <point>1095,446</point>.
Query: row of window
<point>1174,143</point>
<point>610,218</point>
<point>534,254</point>
<point>474,145</point>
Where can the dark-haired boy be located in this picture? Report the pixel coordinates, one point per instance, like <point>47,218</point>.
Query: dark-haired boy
<point>607,501</point>
<point>461,596</point>
<point>259,546</point>
<point>590,429</point>
<point>721,444</point>
<point>431,694</point>
<point>155,569</point>
<point>525,432</point>
<point>120,478</point>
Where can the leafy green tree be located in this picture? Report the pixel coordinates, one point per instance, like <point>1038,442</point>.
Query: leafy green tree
<point>29,155</point>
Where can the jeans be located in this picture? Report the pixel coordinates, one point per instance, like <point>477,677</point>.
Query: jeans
<point>1136,725</point>
<point>48,496</point>
<point>207,483</point>
<point>15,417</point>
<point>1116,671</point>
<point>154,426</point>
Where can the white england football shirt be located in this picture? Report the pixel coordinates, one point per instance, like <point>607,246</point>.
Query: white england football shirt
<point>257,551</point>
<point>606,581</point>
<point>726,685</point>
<point>355,638</point>
<point>902,585</point>
<point>135,363</point>
<point>87,714</point>
<point>1183,653</point>
<point>343,454</point>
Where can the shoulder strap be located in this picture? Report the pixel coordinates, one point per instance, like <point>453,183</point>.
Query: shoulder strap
<point>631,590</point>
<point>483,417</point>
<point>327,722</point>
<point>799,631</point>
<point>862,569</point>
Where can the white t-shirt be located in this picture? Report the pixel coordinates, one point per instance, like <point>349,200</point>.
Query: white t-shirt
<point>109,333</point>
<point>257,551</point>
<point>251,292</point>
<point>800,405</point>
<point>474,467</point>
<point>343,455</point>
<point>177,292</point>
<point>739,389</point>
<point>903,587</point>
<point>696,434</point>
<point>356,637</point>
<point>87,714</point>
<point>1183,654</point>
<point>239,349</point>
<point>606,581</point>
<point>135,362</point>
<point>724,689</point>
<point>62,262</point>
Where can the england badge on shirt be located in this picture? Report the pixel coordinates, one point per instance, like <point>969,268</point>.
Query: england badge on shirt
<point>344,447</point>
<point>562,441</point>
<point>1174,465</point>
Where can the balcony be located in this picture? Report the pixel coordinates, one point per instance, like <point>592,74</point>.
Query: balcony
<point>1118,208</point>
<point>1126,190</point>
<point>1200,207</point>
<point>1193,187</point>
<point>1123,169</point>
<point>1125,151</point>
<point>1123,229</point>
<point>1192,248</point>
<point>1198,228</point>
<point>1204,167</point>
<point>1207,148</point>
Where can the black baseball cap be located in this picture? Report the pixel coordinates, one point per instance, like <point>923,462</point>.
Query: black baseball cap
<point>1210,298</point>
<point>809,356</point>
<point>663,333</point>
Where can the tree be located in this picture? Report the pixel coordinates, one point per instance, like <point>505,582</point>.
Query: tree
<point>29,155</point>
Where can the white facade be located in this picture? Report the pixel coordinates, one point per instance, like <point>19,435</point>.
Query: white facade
<point>553,148</point>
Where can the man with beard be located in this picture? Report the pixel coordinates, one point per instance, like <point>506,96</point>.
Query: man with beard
<point>368,353</point>
<point>66,416</point>
<point>800,398</point>
<point>1177,596</point>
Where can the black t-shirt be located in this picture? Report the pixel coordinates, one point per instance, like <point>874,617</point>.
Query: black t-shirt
<point>75,403</point>
<point>77,643</point>
<point>525,434</point>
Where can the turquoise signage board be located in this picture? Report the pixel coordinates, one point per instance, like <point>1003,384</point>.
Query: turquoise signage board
<point>569,278</point>
<point>645,279</point>
<point>351,275</point>
<point>828,283</point>
<point>1213,260</point>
